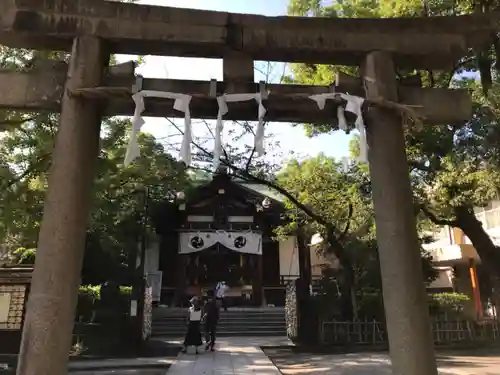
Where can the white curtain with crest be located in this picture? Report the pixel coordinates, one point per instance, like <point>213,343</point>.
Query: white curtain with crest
<point>242,242</point>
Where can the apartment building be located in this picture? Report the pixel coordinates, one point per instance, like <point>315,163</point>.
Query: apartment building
<point>457,259</point>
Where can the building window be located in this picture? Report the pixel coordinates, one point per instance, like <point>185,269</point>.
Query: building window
<point>200,219</point>
<point>240,219</point>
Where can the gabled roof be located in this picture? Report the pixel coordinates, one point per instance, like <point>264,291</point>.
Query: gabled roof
<point>263,190</point>
<point>253,188</point>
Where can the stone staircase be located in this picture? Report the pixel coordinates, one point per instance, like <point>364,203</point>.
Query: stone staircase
<point>269,321</point>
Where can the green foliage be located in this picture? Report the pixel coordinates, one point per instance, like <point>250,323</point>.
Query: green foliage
<point>24,255</point>
<point>447,303</point>
<point>89,302</point>
<point>125,290</point>
<point>25,155</point>
<point>321,184</point>
<point>119,192</point>
<point>93,292</point>
<point>336,197</point>
<point>90,292</point>
<point>454,167</point>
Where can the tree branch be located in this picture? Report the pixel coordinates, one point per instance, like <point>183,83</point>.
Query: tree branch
<point>413,164</point>
<point>334,240</point>
<point>32,168</point>
<point>213,137</point>
<point>249,161</point>
<point>348,225</point>
<point>432,217</point>
<point>6,124</point>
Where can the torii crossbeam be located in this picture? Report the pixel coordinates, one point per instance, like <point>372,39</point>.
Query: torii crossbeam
<point>42,90</point>
<point>93,29</point>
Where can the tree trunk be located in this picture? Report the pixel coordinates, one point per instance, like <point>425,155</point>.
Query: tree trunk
<point>354,303</point>
<point>473,228</point>
<point>347,277</point>
<point>486,249</point>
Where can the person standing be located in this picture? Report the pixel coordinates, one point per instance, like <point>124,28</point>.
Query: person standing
<point>211,317</point>
<point>220,294</point>
<point>193,335</point>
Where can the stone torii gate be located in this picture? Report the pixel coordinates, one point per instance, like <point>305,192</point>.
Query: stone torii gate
<point>92,29</point>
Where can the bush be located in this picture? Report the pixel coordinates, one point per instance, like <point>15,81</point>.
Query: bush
<point>125,290</point>
<point>447,303</point>
<point>89,298</point>
<point>24,255</point>
<point>91,292</point>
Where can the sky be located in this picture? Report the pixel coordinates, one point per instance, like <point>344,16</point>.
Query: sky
<point>291,139</point>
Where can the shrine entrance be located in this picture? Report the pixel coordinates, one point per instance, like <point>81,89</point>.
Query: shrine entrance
<point>210,256</point>
<point>219,263</point>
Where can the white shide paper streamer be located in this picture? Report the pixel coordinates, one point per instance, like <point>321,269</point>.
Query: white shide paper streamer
<point>181,104</point>
<point>137,122</point>
<point>223,109</point>
<point>354,104</point>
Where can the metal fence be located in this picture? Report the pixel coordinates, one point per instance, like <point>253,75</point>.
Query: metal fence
<point>362,332</point>
<point>465,330</point>
<point>374,333</point>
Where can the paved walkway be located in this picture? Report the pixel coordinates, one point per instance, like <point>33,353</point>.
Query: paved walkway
<point>238,355</point>
<point>114,364</point>
<point>244,356</point>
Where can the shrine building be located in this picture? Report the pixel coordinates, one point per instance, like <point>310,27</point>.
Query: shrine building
<point>223,231</point>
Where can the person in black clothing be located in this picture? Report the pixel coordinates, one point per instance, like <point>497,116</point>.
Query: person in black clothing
<point>211,315</point>
<point>193,335</point>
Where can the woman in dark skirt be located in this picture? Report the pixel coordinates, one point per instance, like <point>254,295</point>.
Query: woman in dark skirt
<point>193,335</point>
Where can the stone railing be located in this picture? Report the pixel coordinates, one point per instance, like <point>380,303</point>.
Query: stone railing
<point>147,313</point>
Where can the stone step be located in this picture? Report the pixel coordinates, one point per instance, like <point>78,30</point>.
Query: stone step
<point>265,322</point>
<point>161,311</point>
<point>230,309</point>
<point>226,320</point>
<point>224,315</point>
<point>181,333</point>
<point>246,324</point>
<point>221,329</point>
<point>184,312</point>
<point>224,333</point>
<point>243,322</point>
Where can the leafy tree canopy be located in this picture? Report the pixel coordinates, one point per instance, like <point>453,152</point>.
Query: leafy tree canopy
<point>454,167</point>
<point>336,194</point>
<point>25,155</point>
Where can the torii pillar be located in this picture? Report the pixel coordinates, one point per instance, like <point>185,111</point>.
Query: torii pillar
<point>407,315</point>
<point>50,314</point>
